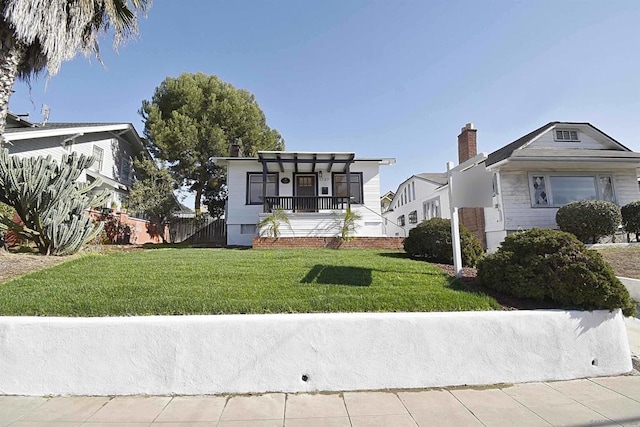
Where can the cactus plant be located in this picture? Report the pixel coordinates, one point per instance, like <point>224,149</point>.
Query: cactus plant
<point>50,201</point>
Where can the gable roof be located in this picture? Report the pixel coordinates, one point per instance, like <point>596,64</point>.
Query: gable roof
<point>507,151</point>
<point>61,125</point>
<point>436,178</point>
<point>388,195</point>
<point>126,131</point>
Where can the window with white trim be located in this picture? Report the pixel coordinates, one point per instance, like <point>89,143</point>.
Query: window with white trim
<point>555,190</point>
<point>413,217</point>
<point>254,187</point>
<point>98,155</point>
<point>431,208</point>
<point>401,221</point>
<point>566,135</point>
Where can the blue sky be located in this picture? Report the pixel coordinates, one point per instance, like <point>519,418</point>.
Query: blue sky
<point>380,78</point>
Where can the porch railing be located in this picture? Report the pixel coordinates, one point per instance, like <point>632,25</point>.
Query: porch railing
<point>305,203</point>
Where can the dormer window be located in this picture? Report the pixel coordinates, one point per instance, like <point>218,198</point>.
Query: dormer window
<point>567,135</point>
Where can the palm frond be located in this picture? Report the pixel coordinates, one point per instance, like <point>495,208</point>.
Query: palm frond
<point>54,31</point>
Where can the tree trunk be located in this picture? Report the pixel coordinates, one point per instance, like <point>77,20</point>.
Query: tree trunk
<point>198,201</point>
<point>11,53</point>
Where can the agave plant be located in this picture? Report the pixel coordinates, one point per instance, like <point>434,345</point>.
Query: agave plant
<point>270,225</point>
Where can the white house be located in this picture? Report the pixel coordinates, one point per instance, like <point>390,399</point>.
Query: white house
<point>314,189</point>
<point>409,205</point>
<point>114,145</point>
<point>534,175</point>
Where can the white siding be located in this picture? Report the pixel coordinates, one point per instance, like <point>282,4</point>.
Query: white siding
<point>302,224</point>
<point>113,149</point>
<point>238,212</point>
<point>519,215</point>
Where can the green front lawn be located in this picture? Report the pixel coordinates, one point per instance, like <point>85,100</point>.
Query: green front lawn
<point>225,281</point>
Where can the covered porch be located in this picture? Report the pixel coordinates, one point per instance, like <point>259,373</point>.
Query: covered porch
<point>319,182</point>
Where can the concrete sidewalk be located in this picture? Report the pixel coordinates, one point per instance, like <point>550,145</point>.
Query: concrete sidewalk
<point>597,401</point>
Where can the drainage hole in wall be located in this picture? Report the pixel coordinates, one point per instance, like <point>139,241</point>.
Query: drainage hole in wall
<point>594,362</point>
<point>305,378</point>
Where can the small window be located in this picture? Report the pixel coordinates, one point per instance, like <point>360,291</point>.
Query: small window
<point>413,217</point>
<point>401,221</point>
<point>495,184</point>
<point>98,155</point>
<point>125,169</point>
<point>567,135</point>
<point>254,187</point>
<point>540,195</point>
<point>248,229</point>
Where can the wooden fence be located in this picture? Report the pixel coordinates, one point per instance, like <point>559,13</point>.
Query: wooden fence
<point>204,229</point>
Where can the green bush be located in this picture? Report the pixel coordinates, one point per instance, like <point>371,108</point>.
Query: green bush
<point>589,219</point>
<point>631,218</point>
<point>431,240</point>
<point>551,264</point>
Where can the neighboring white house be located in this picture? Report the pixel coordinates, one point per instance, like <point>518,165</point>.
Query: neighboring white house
<point>409,205</point>
<point>312,188</point>
<point>114,145</point>
<point>533,176</point>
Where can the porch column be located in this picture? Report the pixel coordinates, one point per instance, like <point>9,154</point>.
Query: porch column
<point>348,178</point>
<point>264,187</point>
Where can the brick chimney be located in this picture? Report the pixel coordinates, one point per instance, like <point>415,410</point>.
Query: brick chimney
<point>472,218</point>
<point>467,146</point>
<point>234,151</point>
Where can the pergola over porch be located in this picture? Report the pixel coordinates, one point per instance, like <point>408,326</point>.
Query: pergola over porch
<point>311,163</point>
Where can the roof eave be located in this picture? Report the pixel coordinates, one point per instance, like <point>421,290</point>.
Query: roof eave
<point>44,133</point>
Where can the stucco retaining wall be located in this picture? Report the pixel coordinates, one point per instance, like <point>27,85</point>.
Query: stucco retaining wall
<point>260,353</point>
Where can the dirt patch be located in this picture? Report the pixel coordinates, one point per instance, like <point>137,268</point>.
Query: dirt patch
<point>625,260</point>
<point>15,265</point>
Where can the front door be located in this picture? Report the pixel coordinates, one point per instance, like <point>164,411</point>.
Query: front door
<point>305,190</point>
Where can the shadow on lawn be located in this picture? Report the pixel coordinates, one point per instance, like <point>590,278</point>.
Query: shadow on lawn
<point>471,285</point>
<point>395,255</point>
<point>338,275</point>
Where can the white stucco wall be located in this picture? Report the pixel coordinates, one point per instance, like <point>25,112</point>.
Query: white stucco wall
<point>260,353</point>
